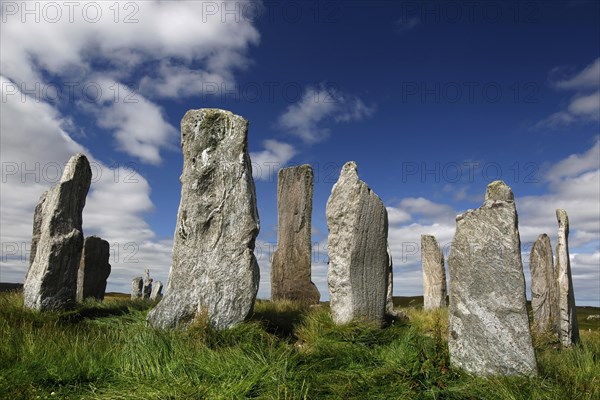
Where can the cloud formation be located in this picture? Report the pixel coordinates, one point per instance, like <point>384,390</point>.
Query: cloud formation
<point>267,162</point>
<point>584,105</point>
<point>573,184</point>
<point>110,62</point>
<point>308,118</point>
<point>34,150</point>
<point>168,49</point>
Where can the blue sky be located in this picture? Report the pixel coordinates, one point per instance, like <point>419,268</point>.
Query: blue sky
<point>433,100</point>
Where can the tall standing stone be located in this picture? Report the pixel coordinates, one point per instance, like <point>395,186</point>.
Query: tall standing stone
<point>156,290</point>
<point>214,271</point>
<point>434,273</point>
<point>488,325</point>
<point>544,298</point>
<point>568,328</point>
<point>357,247</point>
<point>94,269</point>
<point>137,288</point>
<point>291,262</point>
<point>51,281</point>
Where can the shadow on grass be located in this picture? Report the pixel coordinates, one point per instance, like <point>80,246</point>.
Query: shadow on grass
<point>96,310</point>
<point>92,313</point>
<point>280,318</point>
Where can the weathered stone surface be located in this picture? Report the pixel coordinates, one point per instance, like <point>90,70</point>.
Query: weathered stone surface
<point>214,271</point>
<point>156,290</point>
<point>568,329</point>
<point>51,281</point>
<point>357,246</point>
<point>434,274</point>
<point>291,262</point>
<point>147,285</point>
<point>137,288</point>
<point>37,227</point>
<point>544,298</point>
<point>488,325</point>
<point>389,302</point>
<point>94,269</point>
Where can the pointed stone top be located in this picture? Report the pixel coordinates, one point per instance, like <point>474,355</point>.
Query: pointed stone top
<point>543,236</point>
<point>350,169</point>
<point>542,240</point>
<point>77,165</point>
<point>499,191</point>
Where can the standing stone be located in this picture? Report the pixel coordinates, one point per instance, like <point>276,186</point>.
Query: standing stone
<point>37,227</point>
<point>214,271</point>
<point>544,298</point>
<point>568,328</point>
<point>389,302</point>
<point>51,281</point>
<point>488,325</point>
<point>357,246</point>
<point>137,288</point>
<point>94,269</point>
<point>156,291</point>
<point>291,262</point>
<point>147,288</point>
<point>434,273</point>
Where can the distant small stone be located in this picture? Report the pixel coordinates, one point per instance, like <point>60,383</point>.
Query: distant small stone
<point>137,288</point>
<point>157,288</point>
<point>147,285</point>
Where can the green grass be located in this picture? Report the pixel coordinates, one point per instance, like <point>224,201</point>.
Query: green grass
<point>285,351</point>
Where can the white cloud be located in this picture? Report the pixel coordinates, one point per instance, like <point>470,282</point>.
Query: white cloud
<point>397,216</point>
<point>267,162</point>
<point>139,125</point>
<point>173,81</point>
<point>319,105</point>
<point>575,164</point>
<point>34,150</point>
<point>588,78</point>
<point>585,269</point>
<point>572,184</point>
<point>426,209</point>
<point>584,105</point>
<point>170,48</point>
